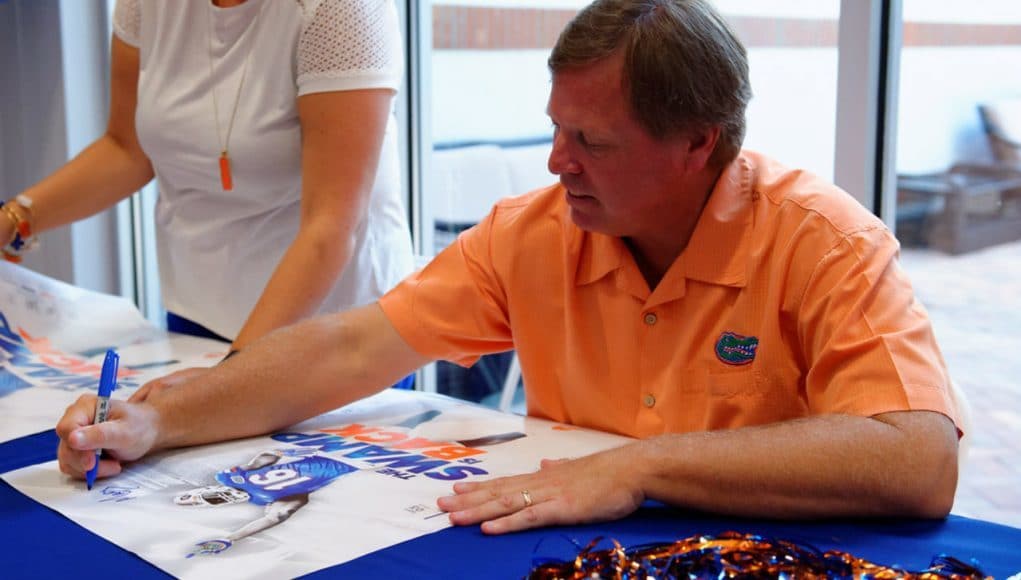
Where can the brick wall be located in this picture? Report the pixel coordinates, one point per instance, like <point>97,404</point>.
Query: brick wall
<point>485,28</point>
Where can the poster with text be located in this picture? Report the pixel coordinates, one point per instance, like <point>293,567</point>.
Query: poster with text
<point>318,494</point>
<point>53,337</point>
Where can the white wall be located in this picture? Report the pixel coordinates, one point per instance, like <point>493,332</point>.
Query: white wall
<point>52,103</point>
<point>32,140</point>
<point>1001,11</point>
<point>792,116</point>
<point>972,11</point>
<point>771,8</point>
<point>487,94</point>
<point>940,91</point>
<point>479,95</point>
<point>500,95</point>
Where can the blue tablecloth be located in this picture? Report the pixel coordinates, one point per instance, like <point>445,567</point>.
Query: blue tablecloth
<point>39,543</point>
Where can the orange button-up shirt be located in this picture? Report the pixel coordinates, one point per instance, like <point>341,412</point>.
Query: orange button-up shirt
<point>787,302</point>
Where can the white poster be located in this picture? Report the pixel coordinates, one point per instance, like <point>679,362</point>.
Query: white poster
<point>274,507</point>
<point>53,337</point>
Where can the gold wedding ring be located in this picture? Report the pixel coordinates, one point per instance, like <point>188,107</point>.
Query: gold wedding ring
<point>527,497</point>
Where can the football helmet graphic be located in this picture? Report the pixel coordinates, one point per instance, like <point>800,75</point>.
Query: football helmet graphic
<point>213,495</point>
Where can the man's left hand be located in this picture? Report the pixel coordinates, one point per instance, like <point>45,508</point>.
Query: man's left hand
<point>599,487</point>
<point>156,386</point>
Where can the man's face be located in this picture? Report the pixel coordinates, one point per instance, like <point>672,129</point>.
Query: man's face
<point>620,180</point>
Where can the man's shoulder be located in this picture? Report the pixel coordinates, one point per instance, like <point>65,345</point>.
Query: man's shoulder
<point>537,209</point>
<point>519,229</point>
<point>543,198</point>
<point>802,196</point>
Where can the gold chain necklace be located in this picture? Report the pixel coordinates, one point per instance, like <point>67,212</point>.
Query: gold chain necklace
<point>226,178</point>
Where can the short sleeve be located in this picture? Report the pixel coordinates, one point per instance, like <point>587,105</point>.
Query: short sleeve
<point>348,45</point>
<point>455,308</point>
<point>869,340</point>
<point>127,21</point>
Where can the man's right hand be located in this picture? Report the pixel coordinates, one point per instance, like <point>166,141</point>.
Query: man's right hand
<point>128,433</point>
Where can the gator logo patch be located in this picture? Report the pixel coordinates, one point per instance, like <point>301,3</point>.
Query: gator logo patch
<point>735,349</point>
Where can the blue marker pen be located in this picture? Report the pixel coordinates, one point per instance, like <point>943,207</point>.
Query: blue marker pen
<point>107,380</point>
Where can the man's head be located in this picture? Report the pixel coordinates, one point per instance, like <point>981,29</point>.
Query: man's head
<point>683,67</point>
<point>213,495</point>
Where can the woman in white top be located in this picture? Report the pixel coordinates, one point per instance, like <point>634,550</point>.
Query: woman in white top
<point>268,126</point>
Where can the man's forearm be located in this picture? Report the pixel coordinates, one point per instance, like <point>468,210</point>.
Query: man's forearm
<point>837,465</point>
<point>287,376</point>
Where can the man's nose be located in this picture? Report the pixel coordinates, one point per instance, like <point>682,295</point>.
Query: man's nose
<point>560,160</point>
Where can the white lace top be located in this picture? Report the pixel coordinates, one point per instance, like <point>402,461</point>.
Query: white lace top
<point>216,248</point>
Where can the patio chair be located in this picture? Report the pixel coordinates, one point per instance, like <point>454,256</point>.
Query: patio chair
<point>969,206</point>
<point>1002,123</point>
<point>963,209</point>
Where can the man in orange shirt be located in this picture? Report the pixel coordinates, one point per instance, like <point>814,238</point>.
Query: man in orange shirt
<point>748,323</point>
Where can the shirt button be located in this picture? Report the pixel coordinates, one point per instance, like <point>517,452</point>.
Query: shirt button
<point>650,319</point>
<point>649,401</point>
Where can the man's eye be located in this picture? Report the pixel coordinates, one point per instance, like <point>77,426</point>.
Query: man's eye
<point>585,142</point>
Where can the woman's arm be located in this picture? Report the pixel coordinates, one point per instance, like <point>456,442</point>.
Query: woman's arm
<point>342,134</point>
<point>110,169</point>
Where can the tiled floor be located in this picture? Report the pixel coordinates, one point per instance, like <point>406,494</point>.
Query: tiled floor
<point>975,303</point>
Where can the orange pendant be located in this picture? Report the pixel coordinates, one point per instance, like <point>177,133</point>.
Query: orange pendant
<point>225,177</point>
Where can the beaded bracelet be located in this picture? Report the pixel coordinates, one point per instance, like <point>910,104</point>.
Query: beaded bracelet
<point>7,211</point>
<point>22,240</point>
<point>26,204</point>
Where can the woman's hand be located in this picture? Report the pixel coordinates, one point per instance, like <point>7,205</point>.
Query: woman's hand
<point>6,229</point>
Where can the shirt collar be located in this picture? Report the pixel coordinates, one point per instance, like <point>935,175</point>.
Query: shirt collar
<point>718,250</point>
<point>599,254</point>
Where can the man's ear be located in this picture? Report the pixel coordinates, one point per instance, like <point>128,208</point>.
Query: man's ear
<point>699,147</point>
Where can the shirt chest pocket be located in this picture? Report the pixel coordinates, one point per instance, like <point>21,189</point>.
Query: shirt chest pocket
<point>746,382</point>
<point>740,398</point>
